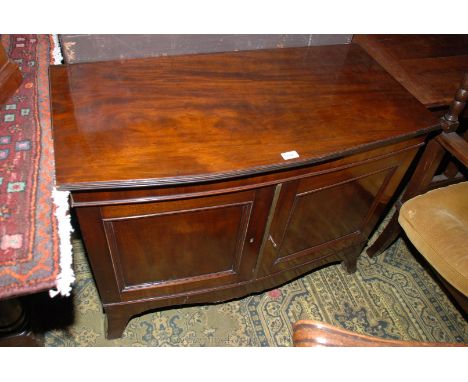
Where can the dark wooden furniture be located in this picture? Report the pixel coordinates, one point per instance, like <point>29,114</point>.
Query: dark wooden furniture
<point>429,66</point>
<point>10,76</point>
<point>310,333</point>
<point>449,141</point>
<point>15,325</point>
<point>429,163</point>
<point>204,178</point>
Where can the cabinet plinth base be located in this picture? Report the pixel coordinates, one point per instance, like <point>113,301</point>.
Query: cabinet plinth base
<point>118,315</point>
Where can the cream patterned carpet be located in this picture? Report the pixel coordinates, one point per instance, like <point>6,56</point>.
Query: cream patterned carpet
<point>392,296</point>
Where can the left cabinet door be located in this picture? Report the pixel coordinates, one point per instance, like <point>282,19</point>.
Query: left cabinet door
<point>167,248</point>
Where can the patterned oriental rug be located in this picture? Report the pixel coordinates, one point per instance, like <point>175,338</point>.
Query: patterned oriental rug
<point>391,296</point>
<point>29,241</point>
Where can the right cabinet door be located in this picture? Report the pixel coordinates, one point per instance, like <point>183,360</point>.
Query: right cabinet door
<point>321,214</point>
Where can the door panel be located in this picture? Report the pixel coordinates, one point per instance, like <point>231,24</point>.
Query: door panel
<point>327,214</point>
<point>330,213</point>
<point>165,247</point>
<point>324,214</point>
<point>186,244</point>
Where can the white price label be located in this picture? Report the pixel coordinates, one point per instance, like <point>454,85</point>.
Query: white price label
<point>290,155</point>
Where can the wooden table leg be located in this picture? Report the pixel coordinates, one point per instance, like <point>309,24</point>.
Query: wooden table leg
<point>14,325</point>
<point>418,184</point>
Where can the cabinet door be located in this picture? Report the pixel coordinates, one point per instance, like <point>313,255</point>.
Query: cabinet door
<point>322,214</point>
<point>171,247</point>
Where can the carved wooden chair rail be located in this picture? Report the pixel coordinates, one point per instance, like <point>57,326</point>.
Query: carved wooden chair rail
<point>310,333</point>
<point>450,120</point>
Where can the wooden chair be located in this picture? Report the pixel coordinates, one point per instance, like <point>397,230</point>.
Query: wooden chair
<point>437,222</point>
<point>309,333</point>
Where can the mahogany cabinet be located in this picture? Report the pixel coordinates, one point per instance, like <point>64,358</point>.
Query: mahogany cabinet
<point>204,178</point>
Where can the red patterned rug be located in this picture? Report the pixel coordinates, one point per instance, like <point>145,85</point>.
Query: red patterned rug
<point>29,244</point>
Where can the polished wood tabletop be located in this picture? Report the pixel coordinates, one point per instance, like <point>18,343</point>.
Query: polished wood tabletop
<point>194,118</point>
<point>431,67</point>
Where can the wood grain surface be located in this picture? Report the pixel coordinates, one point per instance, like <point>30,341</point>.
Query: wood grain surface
<point>429,66</point>
<point>172,120</point>
<point>310,333</point>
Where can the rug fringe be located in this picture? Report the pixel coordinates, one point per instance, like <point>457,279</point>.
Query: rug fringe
<point>66,276</point>
<point>57,57</point>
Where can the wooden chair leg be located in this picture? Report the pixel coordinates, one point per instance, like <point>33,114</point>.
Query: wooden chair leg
<point>418,184</point>
<point>386,238</point>
<point>460,300</point>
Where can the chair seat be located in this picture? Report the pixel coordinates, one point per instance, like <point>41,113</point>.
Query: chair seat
<point>437,225</point>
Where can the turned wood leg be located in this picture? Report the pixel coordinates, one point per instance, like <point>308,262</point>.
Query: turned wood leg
<point>115,324</point>
<point>419,182</point>
<point>12,316</point>
<point>14,325</point>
